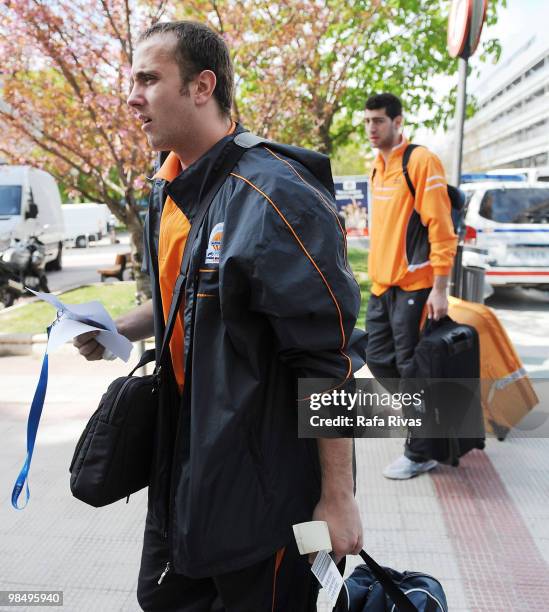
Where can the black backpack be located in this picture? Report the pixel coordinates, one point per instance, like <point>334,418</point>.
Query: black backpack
<point>457,197</point>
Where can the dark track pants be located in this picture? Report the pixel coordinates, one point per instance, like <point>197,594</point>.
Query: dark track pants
<point>282,583</point>
<point>393,324</point>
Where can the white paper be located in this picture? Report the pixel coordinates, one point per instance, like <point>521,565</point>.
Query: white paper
<point>328,575</point>
<point>75,319</point>
<point>312,537</point>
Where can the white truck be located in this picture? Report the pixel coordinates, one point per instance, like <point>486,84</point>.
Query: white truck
<point>85,223</point>
<point>30,205</point>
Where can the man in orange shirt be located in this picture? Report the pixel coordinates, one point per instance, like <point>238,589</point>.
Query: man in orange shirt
<point>412,246</point>
<point>265,303</point>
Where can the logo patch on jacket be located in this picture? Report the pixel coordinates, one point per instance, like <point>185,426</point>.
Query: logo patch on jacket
<point>214,245</point>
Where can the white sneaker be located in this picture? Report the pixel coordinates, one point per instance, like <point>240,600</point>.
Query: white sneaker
<point>404,468</point>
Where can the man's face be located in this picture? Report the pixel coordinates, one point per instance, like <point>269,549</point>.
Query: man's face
<point>158,98</point>
<point>382,131</point>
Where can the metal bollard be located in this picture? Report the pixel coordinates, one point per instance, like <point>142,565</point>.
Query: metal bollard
<point>472,284</point>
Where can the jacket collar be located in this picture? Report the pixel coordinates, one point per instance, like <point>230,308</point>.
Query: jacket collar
<point>396,152</point>
<point>187,188</point>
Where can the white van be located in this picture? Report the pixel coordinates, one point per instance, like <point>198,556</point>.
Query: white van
<point>507,232</point>
<point>30,205</point>
<point>85,223</point>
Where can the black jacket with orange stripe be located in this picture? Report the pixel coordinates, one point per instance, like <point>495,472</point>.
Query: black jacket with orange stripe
<point>270,298</point>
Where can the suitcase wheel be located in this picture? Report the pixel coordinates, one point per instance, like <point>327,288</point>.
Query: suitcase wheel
<point>499,430</point>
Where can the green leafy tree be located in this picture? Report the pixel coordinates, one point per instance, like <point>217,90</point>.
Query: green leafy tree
<point>65,79</point>
<point>304,69</point>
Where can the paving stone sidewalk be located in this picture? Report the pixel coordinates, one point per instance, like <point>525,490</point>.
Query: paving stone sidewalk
<point>481,529</point>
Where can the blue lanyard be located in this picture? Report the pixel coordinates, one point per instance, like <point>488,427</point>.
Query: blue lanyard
<point>32,429</point>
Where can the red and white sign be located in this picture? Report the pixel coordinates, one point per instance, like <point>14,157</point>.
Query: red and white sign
<point>464,26</point>
<point>458,26</point>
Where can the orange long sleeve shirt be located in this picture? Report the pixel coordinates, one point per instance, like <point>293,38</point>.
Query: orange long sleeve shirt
<point>411,239</point>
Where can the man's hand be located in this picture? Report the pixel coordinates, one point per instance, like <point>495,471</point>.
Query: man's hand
<point>437,304</point>
<point>344,524</point>
<point>137,324</point>
<point>88,346</point>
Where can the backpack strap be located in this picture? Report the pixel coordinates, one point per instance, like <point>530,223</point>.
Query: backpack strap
<point>247,140</point>
<point>405,159</point>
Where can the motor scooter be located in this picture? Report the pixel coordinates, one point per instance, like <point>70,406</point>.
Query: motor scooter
<point>10,287</point>
<point>22,265</point>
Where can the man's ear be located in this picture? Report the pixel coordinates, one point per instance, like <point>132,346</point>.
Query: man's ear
<point>398,122</point>
<point>204,87</point>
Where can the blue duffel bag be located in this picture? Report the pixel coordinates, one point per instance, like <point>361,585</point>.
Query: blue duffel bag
<point>372,588</point>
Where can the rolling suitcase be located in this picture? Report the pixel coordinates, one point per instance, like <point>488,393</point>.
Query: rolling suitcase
<point>507,393</point>
<point>448,351</point>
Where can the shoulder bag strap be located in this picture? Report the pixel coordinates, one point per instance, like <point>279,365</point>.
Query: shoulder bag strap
<point>405,160</point>
<point>401,601</point>
<point>229,158</point>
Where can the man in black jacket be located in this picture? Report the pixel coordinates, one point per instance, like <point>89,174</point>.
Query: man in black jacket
<point>269,298</point>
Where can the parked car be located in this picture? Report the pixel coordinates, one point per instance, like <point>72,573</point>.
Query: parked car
<point>507,232</point>
<point>30,205</point>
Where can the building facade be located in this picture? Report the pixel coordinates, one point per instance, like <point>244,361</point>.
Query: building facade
<point>511,127</point>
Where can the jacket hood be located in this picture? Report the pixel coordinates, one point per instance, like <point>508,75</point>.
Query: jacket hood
<point>317,163</point>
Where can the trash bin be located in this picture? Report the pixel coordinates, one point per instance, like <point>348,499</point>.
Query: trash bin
<point>472,284</point>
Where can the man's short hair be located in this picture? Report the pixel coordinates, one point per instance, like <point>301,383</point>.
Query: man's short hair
<point>199,48</point>
<point>391,104</point>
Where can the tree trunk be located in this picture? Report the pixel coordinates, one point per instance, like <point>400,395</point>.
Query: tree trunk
<point>325,145</point>
<point>135,229</point>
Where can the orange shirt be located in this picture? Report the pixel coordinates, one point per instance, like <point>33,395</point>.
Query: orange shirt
<point>390,212</point>
<point>174,229</point>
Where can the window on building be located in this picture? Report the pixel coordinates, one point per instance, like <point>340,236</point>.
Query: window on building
<point>535,68</point>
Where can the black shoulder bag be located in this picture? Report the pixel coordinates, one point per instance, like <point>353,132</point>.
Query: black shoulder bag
<point>113,456</point>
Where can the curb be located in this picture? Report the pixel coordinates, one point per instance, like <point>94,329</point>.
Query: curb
<point>23,344</point>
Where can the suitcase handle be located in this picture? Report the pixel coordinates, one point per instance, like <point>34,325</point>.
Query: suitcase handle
<point>431,324</point>
<point>456,340</point>
<point>459,341</point>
